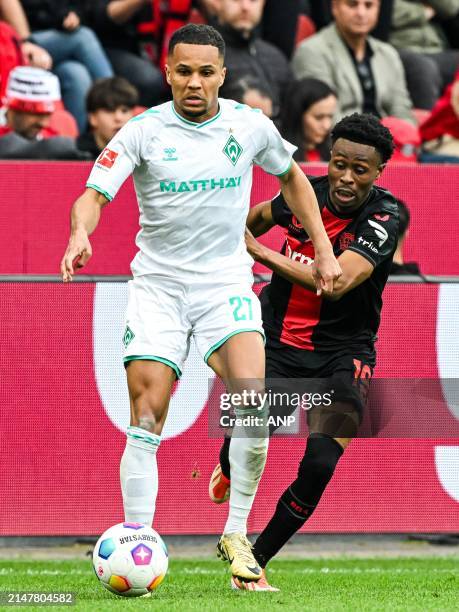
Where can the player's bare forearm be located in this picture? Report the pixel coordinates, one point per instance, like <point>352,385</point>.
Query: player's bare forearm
<point>260,219</point>
<point>85,216</point>
<point>302,201</point>
<point>356,269</point>
<point>85,213</point>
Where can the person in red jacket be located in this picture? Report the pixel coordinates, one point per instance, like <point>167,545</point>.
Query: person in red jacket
<point>440,132</point>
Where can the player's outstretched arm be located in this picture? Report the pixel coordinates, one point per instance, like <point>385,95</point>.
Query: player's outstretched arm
<point>260,219</point>
<point>302,201</point>
<point>355,268</point>
<point>85,216</point>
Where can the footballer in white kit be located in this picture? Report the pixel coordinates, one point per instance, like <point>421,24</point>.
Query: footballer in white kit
<point>192,161</point>
<point>192,274</point>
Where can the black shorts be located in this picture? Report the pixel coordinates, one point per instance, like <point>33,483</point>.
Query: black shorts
<point>340,378</point>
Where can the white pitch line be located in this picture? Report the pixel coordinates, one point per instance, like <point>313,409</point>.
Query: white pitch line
<point>215,572</point>
<point>333,570</point>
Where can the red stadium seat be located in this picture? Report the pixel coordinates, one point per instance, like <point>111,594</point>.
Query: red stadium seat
<point>64,123</point>
<point>138,110</point>
<point>305,28</point>
<point>196,17</point>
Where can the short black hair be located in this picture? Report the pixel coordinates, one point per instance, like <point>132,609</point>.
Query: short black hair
<point>236,90</point>
<point>111,93</point>
<point>365,129</point>
<point>404,217</point>
<point>197,34</point>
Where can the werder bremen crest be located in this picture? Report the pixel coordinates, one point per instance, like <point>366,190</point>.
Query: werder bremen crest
<point>232,150</point>
<point>128,336</point>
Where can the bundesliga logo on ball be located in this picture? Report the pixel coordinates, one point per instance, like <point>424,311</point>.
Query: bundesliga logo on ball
<point>130,559</point>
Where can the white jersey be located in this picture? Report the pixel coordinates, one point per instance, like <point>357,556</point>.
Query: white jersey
<point>193,183</point>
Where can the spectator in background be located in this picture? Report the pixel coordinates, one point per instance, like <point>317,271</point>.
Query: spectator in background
<point>10,54</point>
<point>416,27</point>
<point>31,97</point>
<point>320,13</point>
<point>366,74</point>
<point>251,92</point>
<point>78,57</point>
<point>247,55</point>
<point>208,8</point>
<point>399,266</point>
<point>440,132</point>
<point>307,118</point>
<point>110,104</point>
<point>280,24</point>
<point>11,12</point>
<point>116,23</point>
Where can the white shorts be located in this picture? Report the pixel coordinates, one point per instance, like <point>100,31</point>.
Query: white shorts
<point>162,316</point>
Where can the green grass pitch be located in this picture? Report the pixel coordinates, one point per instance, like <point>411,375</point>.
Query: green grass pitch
<point>310,584</point>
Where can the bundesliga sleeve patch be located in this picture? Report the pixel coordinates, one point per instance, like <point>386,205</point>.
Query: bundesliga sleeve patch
<point>107,158</point>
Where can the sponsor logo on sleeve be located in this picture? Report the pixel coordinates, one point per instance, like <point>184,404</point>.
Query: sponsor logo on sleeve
<point>380,232</point>
<point>368,244</point>
<point>107,158</point>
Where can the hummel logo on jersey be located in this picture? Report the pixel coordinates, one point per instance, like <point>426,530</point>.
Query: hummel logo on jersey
<point>169,154</point>
<point>232,150</point>
<point>379,231</point>
<point>107,158</point>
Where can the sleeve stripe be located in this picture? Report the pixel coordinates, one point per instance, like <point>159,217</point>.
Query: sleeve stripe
<point>285,171</point>
<point>104,193</point>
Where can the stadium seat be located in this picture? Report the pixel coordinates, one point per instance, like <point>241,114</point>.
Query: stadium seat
<point>304,29</point>
<point>64,123</point>
<point>196,17</point>
<point>138,110</point>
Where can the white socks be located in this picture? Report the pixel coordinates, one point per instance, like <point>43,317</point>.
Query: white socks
<point>139,475</point>
<point>247,457</point>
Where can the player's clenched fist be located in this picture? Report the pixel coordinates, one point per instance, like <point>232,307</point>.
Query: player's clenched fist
<point>77,254</point>
<point>325,270</point>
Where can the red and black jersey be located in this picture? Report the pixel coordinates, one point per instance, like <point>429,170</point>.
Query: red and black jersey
<point>297,317</point>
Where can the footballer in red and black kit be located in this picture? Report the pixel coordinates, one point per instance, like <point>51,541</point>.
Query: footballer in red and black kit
<point>329,337</point>
<point>296,317</point>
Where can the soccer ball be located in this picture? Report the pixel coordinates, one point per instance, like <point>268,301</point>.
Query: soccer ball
<point>130,559</point>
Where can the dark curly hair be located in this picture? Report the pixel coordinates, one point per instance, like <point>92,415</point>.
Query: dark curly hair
<point>365,129</point>
<point>197,34</point>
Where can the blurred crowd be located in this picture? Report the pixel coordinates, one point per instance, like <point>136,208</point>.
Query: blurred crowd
<point>72,72</point>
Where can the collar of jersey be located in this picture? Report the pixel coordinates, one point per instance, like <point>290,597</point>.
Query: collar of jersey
<point>193,123</point>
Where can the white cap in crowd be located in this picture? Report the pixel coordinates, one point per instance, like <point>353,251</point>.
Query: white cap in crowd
<point>32,90</point>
